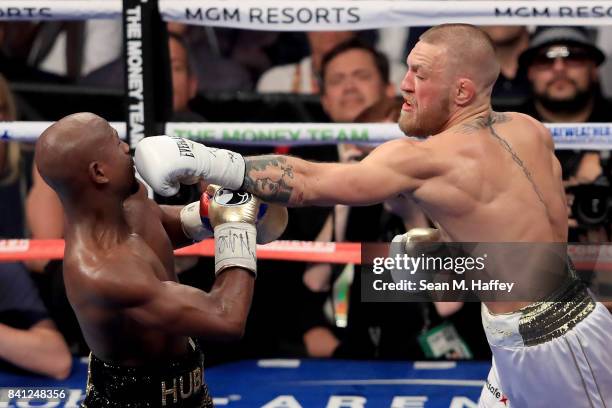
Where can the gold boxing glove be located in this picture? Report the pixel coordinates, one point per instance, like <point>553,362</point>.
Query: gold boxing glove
<point>407,244</point>
<point>240,221</point>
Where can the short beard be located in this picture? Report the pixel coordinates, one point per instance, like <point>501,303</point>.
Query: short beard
<point>413,131</point>
<point>580,101</point>
<point>424,128</point>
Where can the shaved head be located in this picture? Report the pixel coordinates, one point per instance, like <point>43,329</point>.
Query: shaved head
<point>451,73</point>
<point>67,150</point>
<point>469,50</point>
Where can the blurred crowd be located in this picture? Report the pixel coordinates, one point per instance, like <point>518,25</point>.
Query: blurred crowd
<point>555,74</point>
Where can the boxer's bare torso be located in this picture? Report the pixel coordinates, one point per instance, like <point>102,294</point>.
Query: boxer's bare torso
<point>103,272</point>
<point>494,182</point>
<point>497,182</point>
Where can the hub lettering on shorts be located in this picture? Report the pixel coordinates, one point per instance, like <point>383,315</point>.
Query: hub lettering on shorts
<point>184,147</point>
<point>178,389</point>
<point>497,393</point>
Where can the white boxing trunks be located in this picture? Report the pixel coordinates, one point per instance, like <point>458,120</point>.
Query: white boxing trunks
<point>550,354</point>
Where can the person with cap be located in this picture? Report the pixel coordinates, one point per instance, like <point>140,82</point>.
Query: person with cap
<point>562,67</point>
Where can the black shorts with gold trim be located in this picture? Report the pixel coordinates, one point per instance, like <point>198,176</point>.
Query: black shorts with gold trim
<point>176,383</point>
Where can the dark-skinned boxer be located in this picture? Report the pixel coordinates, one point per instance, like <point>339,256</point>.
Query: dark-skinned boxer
<point>119,272</point>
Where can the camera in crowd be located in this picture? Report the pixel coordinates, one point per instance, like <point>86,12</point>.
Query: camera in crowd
<point>592,205</point>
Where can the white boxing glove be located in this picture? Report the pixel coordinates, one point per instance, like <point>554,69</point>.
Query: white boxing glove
<point>165,162</point>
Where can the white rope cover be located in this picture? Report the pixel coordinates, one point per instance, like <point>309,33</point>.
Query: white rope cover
<point>312,15</point>
<point>25,10</point>
<point>590,136</point>
<point>30,131</point>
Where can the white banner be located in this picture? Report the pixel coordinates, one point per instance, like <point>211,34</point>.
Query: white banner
<point>25,10</point>
<point>567,136</point>
<point>313,15</point>
<point>581,136</point>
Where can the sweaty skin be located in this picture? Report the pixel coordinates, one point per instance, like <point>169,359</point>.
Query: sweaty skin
<point>482,176</point>
<point>118,262</point>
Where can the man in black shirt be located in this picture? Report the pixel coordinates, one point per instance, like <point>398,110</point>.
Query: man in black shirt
<point>562,67</point>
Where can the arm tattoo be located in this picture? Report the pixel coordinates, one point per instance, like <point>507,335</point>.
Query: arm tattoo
<point>269,177</point>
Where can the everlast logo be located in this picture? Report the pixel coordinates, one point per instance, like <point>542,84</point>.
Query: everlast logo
<point>178,389</point>
<point>184,147</point>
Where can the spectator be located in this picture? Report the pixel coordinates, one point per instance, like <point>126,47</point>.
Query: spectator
<point>354,77</point>
<point>15,162</point>
<point>14,178</point>
<point>512,86</point>
<point>184,80</point>
<point>562,67</point>
<point>28,338</point>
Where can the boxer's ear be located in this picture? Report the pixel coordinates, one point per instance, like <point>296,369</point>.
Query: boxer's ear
<point>465,91</point>
<point>96,173</point>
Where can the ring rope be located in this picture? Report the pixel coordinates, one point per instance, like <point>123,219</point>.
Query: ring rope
<point>309,15</point>
<point>585,257</point>
<point>591,136</point>
<point>13,250</point>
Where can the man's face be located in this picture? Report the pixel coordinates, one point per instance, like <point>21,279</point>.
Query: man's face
<point>562,73</point>
<point>120,167</point>
<point>184,85</point>
<point>352,84</point>
<point>426,91</point>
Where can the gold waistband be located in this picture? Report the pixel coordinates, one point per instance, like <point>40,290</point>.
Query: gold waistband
<point>544,321</point>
